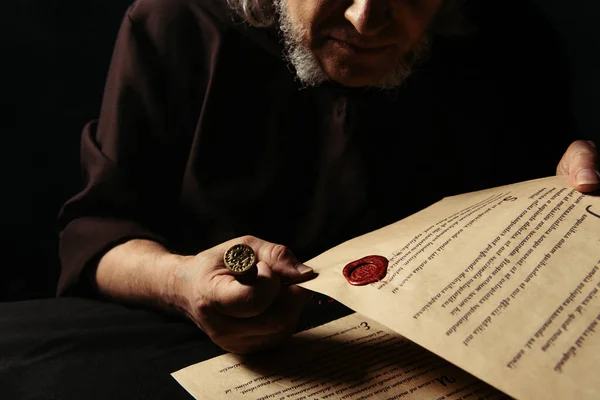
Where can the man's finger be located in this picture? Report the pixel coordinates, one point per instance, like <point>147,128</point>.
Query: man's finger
<point>239,300</point>
<point>580,163</point>
<point>243,335</point>
<point>284,263</point>
<point>279,318</point>
<point>280,258</point>
<point>281,315</point>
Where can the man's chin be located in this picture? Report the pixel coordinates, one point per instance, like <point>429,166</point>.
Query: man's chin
<point>355,77</point>
<point>313,69</point>
<point>354,82</point>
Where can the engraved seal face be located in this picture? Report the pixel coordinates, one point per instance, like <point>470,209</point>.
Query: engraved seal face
<point>367,270</point>
<point>239,259</point>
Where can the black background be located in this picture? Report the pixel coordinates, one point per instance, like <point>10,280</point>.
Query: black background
<point>54,55</point>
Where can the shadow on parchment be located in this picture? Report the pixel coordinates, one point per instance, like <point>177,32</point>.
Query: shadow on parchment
<point>339,362</point>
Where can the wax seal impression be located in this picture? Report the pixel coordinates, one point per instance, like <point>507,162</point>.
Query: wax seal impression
<point>367,270</point>
<point>240,259</point>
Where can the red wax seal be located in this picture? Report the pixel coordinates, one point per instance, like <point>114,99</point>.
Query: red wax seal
<point>367,270</point>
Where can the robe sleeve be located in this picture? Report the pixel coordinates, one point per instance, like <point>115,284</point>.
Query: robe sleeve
<point>134,156</point>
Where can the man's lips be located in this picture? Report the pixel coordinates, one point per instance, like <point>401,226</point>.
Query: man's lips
<point>358,48</point>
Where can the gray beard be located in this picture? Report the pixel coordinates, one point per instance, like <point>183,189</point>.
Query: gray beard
<point>309,71</point>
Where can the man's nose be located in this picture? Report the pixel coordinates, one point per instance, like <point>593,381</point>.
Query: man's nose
<point>369,17</point>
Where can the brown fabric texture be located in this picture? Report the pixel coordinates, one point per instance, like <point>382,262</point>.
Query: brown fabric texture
<point>205,135</point>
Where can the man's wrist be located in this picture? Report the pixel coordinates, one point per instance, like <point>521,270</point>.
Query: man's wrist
<point>178,283</point>
<point>143,272</point>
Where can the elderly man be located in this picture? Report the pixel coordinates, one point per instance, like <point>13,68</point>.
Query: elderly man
<point>301,123</point>
<point>298,122</point>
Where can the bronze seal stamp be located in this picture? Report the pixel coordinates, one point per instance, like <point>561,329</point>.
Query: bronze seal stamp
<point>366,270</point>
<point>240,259</point>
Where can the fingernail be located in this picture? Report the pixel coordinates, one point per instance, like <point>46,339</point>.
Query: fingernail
<point>304,269</point>
<point>587,177</point>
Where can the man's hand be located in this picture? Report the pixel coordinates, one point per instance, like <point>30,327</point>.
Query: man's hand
<point>242,317</point>
<point>581,163</point>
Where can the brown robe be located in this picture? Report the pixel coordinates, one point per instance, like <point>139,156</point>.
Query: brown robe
<point>205,135</point>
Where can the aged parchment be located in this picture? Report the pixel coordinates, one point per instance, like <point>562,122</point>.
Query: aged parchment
<point>350,358</point>
<point>502,283</point>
